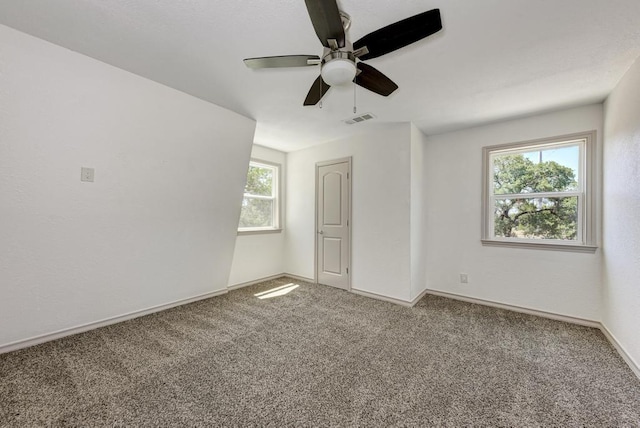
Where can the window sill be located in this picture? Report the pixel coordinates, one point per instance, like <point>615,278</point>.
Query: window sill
<point>577,248</point>
<point>258,231</point>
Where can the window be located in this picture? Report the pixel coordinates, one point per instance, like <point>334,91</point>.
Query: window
<point>539,194</point>
<point>260,206</point>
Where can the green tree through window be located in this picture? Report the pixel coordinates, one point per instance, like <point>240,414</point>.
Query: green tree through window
<point>259,205</point>
<point>543,217</point>
<point>541,194</point>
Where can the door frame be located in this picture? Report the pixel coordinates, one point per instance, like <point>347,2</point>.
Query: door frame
<point>348,160</point>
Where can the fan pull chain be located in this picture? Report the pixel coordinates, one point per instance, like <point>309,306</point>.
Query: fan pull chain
<point>354,99</point>
<point>321,83</point>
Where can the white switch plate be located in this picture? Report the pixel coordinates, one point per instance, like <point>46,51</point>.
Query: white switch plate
<point>464,278</point>
<point>87,174</point>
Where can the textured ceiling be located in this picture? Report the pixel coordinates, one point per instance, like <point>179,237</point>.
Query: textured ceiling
<point>494,59</point>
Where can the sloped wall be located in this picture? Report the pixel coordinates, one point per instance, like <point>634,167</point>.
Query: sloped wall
<point>258,256</point>
<point>158,224</point>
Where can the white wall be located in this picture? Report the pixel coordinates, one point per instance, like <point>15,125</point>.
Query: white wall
<point>157,225</point>
<point>563,283</point>
<point>381,208</point>
<point>418,230</point>
<point>258,256</point>
<point>621,224</point>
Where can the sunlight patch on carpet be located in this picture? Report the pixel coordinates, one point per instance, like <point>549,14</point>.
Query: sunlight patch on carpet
<point>277,292</point>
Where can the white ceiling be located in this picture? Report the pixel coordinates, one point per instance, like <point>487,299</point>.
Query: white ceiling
<point>494,59</point>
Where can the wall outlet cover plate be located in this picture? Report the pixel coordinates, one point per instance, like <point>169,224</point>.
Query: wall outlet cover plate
<point>87,174</point>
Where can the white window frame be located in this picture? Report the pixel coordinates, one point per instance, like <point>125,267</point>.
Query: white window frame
<point>586,233</point>
<point>275,196</point>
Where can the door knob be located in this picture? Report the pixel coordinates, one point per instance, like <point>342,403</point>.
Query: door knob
<point>321,232</point>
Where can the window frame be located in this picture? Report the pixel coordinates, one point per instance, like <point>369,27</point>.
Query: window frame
<point>586,193</point>
<point>276,197</point>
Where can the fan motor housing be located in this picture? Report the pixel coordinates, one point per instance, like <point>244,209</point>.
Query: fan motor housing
<point>333,55</point>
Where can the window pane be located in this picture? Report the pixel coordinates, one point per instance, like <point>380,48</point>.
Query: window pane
<point>567,156</point>
<point>546,170</point>
<point>256,213</point>
<point>536,218</point>
<point>259,181</point>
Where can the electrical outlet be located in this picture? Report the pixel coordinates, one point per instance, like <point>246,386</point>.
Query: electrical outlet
<point>464,278</point>
<point>87,174</point>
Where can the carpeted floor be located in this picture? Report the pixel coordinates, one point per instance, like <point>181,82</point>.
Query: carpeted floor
<point>319,356</point>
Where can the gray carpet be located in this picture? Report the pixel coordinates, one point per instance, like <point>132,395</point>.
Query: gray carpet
<point>319,356</point>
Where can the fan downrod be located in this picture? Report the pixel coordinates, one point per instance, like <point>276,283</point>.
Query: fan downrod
<point>346,20</point>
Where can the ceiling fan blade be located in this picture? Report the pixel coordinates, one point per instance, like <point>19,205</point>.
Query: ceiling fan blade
<point>282,61</point>
<point>375,81</point>
<point>317,91</point>
<point>325,17</point>
<point>400,34</point>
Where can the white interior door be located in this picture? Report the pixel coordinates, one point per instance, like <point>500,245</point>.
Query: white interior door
<point>332,224</point>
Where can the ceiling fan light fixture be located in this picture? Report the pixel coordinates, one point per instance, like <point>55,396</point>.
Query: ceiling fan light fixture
<point>338,72</point>
<point>342,60</point>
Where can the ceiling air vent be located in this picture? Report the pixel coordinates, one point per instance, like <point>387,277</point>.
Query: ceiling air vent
<point>361,118</point>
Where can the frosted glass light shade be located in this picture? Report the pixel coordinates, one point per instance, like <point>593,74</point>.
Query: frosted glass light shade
<point>338,72</point>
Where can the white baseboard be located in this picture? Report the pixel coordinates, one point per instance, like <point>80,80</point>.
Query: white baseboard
<point>514,308</point>
<point>299,278</point>
<point>269,278</point>
<point>633,365</point>
<point>419,296</point>
<point>353,290</point>
<point>376,296</point>
<point>25,343</point>
<point>36,340</point>
<point>256,281</point>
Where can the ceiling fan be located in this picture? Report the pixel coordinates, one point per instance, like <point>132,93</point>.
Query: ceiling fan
<point>341,60</point>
